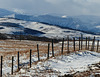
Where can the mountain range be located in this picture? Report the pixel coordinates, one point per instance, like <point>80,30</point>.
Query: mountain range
<point>84,23</point>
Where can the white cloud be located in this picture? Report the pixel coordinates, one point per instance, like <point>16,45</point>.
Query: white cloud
<point>20,11</point>
<point>56,1</point>
<point>69,7</point>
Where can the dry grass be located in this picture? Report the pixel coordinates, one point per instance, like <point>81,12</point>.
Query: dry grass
<point>25,46</point>
<point>9,49</point>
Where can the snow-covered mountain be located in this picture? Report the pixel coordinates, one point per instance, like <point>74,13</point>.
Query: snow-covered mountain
<point>15,26</point>
<point>4,12</point>
<point>89,24</point>
<point>86,23</point>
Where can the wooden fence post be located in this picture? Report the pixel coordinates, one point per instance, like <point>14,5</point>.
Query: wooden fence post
<point>97,45</point>
<point>88,42</point>
<point>52,49</point>
<point>93,44</point>
<point>79,43</point>
<point>48,50</point>
<point>1,65</point>
<point>62,45</point>
<point>18,60</point>
<point>38,52</point>
<point>30,57</point>
<point>68,44</point>
<point>74,43</point>
<point>12,65</point>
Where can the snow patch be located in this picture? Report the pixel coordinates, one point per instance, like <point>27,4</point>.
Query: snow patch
<point>64,16</point>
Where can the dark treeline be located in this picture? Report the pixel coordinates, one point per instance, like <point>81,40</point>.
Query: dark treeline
<point>36,38</point>
<point>26,37</point>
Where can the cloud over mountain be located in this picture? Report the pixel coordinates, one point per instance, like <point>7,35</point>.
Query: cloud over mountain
<point>68,7</point>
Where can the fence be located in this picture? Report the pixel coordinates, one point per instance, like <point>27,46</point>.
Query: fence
<point>80,47</point>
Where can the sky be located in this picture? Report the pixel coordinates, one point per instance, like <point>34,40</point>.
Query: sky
<point>67,7</point>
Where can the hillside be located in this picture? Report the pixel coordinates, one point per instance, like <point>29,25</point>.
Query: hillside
<point>4,12</point>
<point>15,26</point>
<point>85,23</point>
<point>89,24</point>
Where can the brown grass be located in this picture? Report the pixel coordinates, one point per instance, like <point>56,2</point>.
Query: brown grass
<point>27,45</point>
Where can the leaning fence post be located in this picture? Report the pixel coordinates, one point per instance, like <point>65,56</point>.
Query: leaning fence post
<point>74,43</point>
<point>18,60</point>
<point>68,44</point>
<point>48,50</point>
<point>79,43</point>
<point>30,57</point>
<point>86,43</point>
<point>1,65</point>
<point>93,44</point>
<point>38,52</point>
<point>62,45</point>
<point>52,49</point>
<point>97,45</point>
<point>12,65</point>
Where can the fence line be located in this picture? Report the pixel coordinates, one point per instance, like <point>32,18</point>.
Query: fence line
<point>88,42</point>
<point>18,59</point>
<point>74,43</point>
<point>52,48</point>
<point>81,41</point>
<point>38,52</point>
<point>97,45</point>
<point>48,50</point>
<point>62,45</point>
<point>87,47</point>
<point>12,65</point>
<point>68,44</point>
<point>30,57</point>
<point>93,44</point>
<point>1,65</point>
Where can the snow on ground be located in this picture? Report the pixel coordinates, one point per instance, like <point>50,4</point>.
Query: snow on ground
<point>66,64</point>
<point>9,30</point>
<point>74,62</point>
<point>57,66</point>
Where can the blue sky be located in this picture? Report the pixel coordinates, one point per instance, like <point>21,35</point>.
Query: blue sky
<point>68,7</point>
